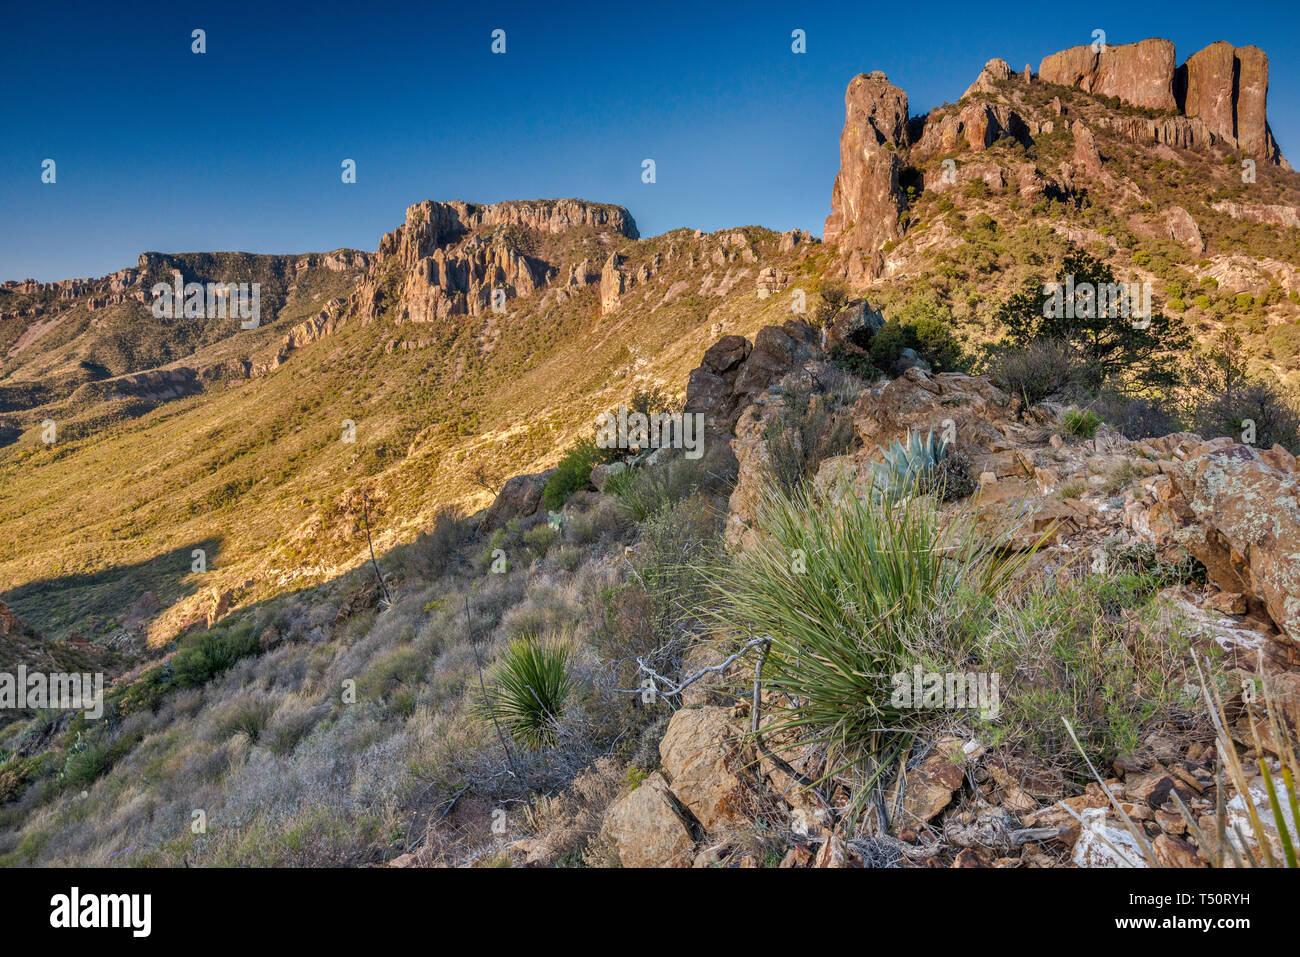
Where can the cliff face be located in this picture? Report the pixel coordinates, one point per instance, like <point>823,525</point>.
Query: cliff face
<point>866,199</point>
<point>447,258</point>
<point>1214,104</point>
<point>1138,73</point>
<point>1225,86</point>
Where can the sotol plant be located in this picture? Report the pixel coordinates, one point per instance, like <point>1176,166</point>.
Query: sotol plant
<point>851,591</point>
<point>530,689</point>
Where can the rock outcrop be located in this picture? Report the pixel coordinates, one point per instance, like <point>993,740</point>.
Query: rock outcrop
<point>866,199</point>
<point>1138,73</point>
<point>1227,87</point>
<point>1246,505</point>
<point>448,259</point>
<point>1222,86</point>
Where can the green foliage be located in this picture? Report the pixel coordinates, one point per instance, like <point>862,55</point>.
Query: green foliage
<point>923,324</point>
<point>644,492</point>
<point>1038,371</point>
<point>540,538</point>
<point>1256,410</point>
<point>1081,422</point>
<point>1111,346</point>
<point>531,687</point>
<point>851,592</point>
<point>807,431</point>
<point>204,657</point>
<point>910,466</point>
<point>573,473</point>
<point>247,716</point>
<point>834,294</point>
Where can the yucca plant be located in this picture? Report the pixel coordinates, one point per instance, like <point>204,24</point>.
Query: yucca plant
<point>1281,791</point>
<point>909,466</point>
<point>531,686</point>
<point>850,592</point>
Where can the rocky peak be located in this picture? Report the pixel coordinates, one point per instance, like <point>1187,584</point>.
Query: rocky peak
<point>994,72</point>
<point>430,225</point>
<point>454,254</point>
<point>1138,73</point>
<point>866,198</point>
<point>1225,86</point>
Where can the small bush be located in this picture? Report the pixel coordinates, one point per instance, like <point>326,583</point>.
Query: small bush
<point>1038,371</point>
<point>210,653</point>
<point>1272,413</point>
<point>955,476</point>
<point>807,431</point>
<point>1137,417</point>
<point>641,493</point>
<point>246,716</point>
<point>540,538</point>
<point>1081,423</point>
<point>530,689</point>
<point>834,294</point>
<point>573,473</point>
<point>433,550</point>
<point>923,324</point>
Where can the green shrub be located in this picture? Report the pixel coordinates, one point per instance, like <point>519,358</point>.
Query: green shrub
<point>573,473</point>
<point>1274,415</point>
<point>1110,345</point>
<point>1076,654</point>
<point>540,538</point>
<point>1038,371</point>
<point>644,492</point>
<point>808,430</point>
<point>1081,423</point>
<point>530,689</point>
<point>247,716</point>
<point>922,324</point>
<point>210,653</point>
<point>851,592</point>
<point>834,294</point>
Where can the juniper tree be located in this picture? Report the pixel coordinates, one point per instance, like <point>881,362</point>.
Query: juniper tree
<point>1118,342</point>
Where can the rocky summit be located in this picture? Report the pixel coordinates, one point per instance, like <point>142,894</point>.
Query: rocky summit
<point>963,536</point>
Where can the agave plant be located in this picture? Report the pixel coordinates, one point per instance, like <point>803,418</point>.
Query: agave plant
<point>909,466</point>
<point>530,689</point>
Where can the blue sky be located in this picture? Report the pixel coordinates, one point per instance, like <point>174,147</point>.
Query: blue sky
<point>240,148</point>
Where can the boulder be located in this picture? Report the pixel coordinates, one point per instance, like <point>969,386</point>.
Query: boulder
<point>519,498</point>
<point>1247,514</point>
<point>697,753</point>
<point>1181,228</point>
<point>645,829</point>
<point>854,326</point>
<point>602,473</point>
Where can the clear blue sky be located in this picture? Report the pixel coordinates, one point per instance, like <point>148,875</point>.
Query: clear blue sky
<point>161,149</point>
